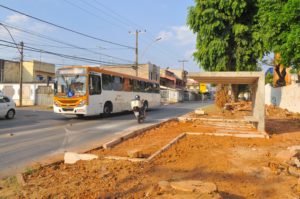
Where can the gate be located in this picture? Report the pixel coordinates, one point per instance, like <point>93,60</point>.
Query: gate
<point>44,96</point>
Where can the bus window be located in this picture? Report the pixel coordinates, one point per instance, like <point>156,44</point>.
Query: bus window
<point>117,84</point>
<point>127,85</point>
<point>143,86</point>
<point>106,82</point>
<point>136,86</point>
<point>95,85</point>
<point>155,88</point>
<point>148,87</point>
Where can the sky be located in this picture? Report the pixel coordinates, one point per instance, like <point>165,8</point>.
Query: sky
<point>164,38</point>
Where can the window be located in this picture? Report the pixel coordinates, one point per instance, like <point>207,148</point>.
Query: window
<point>136,86</point>
<point>106,82</point>
<point>4,99</point>
<point>117,84</point>
<point>95,85</point>
<point>39,78</point>
<point>128,84</point>
<point>148,87</point>
<point>142,86</point>
<point>155,88</point>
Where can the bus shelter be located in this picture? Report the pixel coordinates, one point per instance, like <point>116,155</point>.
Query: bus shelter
<point>255,79</point>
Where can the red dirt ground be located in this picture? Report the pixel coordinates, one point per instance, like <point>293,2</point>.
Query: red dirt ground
<point>241,168</point>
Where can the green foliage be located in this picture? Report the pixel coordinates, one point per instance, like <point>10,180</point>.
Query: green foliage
<point>11,181</point>
<point>279,28</point>
<point>227,36</point>
<point>29,171</point>
<point>269,79</point>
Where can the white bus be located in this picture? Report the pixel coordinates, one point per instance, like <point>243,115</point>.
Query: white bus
<point>86,91</point>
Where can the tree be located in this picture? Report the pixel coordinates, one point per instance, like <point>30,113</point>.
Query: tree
<point>227,36</point>
<point>279,28</point>
<point>269,79</point>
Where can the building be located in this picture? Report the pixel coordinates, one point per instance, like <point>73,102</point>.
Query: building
<point>172,85</point>
<point>33,71</point>
<point>148,71</point>
<point>36,78</point>
<point>167,78</point>
<point>181,79</point>
<point>193,85</point>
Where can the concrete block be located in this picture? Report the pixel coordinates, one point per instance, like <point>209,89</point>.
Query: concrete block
<point>164,185</point>
<point>71,158</point>
<point>294,148</point>
<point>195,186</point>
<point>199,112</point>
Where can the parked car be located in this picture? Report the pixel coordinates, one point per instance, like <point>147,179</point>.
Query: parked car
<point>7,107</point>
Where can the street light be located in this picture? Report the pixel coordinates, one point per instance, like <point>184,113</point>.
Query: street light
<point>20,49</point>
<point>156,40</point>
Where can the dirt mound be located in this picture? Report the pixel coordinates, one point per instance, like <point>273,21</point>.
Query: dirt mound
<point>276,112</point>
<point>222,96</point>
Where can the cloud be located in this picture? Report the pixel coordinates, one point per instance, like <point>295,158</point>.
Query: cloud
<point>180,34</point>
<point>21,21</point>
<point>165,36</point>
<point>184,35</point>
<point>16,19</point>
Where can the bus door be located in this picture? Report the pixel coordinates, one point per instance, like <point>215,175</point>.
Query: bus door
<point>95,102</point>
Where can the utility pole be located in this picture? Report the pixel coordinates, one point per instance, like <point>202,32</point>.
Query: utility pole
<point>21,73</point>
<point>182,61</point>
<point>136,53</point>
<point>136,67</point>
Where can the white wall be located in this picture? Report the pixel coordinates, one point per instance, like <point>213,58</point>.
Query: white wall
<point>29,92</point>
<point>287,97</point>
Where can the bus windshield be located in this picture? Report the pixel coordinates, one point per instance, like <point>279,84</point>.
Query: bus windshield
<point>70,86</point>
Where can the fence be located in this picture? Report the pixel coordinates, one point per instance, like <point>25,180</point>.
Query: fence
<point>287,97</point>
<point>44,96</point>
<point>29,93</point>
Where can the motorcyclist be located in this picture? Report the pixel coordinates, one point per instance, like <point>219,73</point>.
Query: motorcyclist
<point>142,108</point>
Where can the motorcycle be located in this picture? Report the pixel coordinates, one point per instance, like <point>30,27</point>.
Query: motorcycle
<point>138,109</point>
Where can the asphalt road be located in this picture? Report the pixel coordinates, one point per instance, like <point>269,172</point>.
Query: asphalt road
<point>36,135</point>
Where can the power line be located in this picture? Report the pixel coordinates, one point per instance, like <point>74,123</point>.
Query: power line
<point>67,29</point>
<point>92,13</point>
<point>118,15</point>
<point>65,43</point>
<point>59,54</point>
<point>65,47</point>
<point>166,52</point>
<point>14,42</point>
<point>123,22</point>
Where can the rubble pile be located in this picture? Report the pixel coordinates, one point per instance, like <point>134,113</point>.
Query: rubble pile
<point>238,106</point>
<point>274,111</point>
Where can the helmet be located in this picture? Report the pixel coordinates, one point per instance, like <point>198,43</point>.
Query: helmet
<point>137,97</point>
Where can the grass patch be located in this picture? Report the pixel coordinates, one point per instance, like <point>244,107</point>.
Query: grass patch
<point>29,171</point>
<point>9,187</point>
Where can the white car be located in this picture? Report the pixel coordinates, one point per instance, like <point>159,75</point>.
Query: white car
<point>7,107</point>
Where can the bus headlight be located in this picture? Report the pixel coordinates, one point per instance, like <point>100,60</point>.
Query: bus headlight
<point>82,103</point>
<point>56,104</point>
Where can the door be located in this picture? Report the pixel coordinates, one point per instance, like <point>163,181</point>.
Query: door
<point>3,106</point>
<point>95,91</point>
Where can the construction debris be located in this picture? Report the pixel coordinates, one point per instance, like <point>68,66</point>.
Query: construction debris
<point>199,112</point>
<point>71,158</point>
<point>194,186</point>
